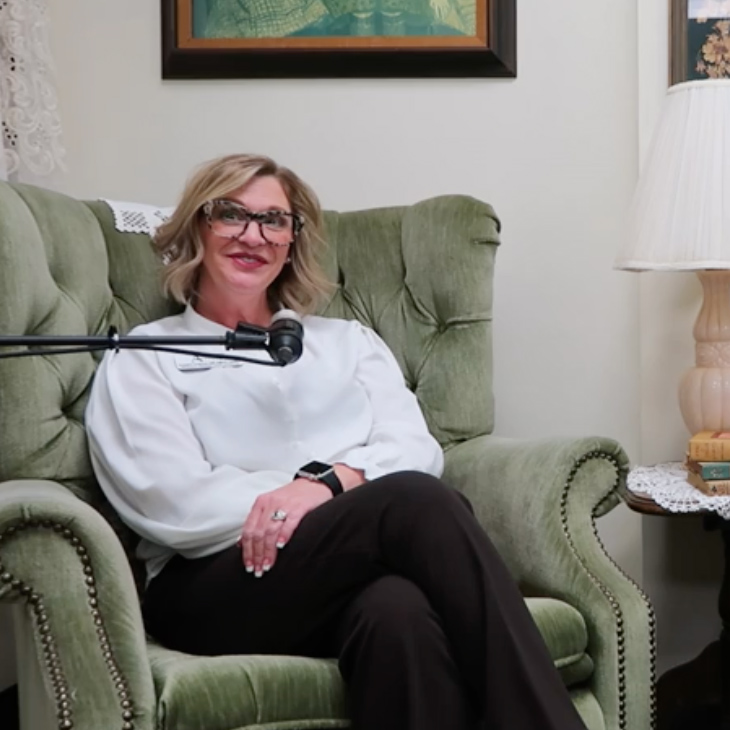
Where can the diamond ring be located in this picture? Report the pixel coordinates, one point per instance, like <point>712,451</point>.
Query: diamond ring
<point>279,515</point>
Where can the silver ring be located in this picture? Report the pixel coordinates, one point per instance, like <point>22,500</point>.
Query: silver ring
<point>279,515</point>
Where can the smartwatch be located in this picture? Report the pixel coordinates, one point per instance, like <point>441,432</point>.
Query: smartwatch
<point>318,471</point>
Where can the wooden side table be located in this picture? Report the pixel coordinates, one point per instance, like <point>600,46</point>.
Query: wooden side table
<point>696,694</point>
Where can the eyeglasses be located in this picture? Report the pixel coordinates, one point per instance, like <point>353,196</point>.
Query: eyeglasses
<point>229,219</point>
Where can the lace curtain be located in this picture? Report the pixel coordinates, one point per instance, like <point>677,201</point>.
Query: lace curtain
<point>30,126</point>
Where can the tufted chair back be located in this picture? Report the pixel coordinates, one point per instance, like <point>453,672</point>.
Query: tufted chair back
<point>420,275</point>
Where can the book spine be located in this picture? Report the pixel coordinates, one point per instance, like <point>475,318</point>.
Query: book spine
<point>709,469</point>
<point>714,488</point>
<point>718,470</point>
<point>710,450</point>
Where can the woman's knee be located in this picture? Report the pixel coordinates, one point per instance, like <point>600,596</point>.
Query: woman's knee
<point>416,486</point>
<point>392,606</point>
<point>390,620</point>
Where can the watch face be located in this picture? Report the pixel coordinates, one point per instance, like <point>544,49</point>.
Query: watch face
<point>316,468</point>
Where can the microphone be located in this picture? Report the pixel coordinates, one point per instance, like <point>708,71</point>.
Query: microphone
<point>286,336</point>
<point>283,341</point>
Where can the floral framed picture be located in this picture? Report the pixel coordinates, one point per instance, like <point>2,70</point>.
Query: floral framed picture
<point>208,39</point>
<point>700,40</point>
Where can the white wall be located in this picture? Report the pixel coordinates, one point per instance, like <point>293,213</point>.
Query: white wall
<point>555,152</point>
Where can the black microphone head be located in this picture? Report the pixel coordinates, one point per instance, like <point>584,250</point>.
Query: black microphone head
<point>286,336</point>
<point>287,314</point>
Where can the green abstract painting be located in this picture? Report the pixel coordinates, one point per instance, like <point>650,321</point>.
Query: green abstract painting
<point>332,18</point>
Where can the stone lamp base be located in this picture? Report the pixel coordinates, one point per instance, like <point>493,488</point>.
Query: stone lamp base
<point>704,392</point>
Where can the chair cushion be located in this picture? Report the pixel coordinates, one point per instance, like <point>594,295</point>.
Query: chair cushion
<point>295,693</point>
<point>564,630</point>
<point>252,692</point>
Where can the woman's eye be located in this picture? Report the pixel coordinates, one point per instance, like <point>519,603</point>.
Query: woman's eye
<point>275,221</point>
<point>230,216</point>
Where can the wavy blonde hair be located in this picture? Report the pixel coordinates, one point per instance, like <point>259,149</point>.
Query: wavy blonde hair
<point>302,284</point>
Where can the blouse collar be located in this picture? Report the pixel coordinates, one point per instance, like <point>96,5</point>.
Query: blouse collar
<point>197,323</point>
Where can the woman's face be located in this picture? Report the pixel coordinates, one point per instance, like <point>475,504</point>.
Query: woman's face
<point>246,265</point>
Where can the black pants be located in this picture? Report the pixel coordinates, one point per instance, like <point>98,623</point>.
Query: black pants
<point>397,579</point>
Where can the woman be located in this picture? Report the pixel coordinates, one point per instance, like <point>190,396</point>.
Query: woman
<point>298,510</point>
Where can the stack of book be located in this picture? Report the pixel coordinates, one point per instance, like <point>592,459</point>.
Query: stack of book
<point>708,462</point>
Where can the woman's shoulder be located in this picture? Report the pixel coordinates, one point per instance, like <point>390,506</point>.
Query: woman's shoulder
<point>350,331</point>
<point>334,326</point>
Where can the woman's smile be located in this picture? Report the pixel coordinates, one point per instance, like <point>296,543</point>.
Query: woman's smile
<point>247,261</point>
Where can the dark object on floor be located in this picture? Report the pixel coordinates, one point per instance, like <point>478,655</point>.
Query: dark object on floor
<point>707,717</point>
<point>9,719</point>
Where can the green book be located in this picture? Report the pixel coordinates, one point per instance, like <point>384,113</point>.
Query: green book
<point>710,469</point>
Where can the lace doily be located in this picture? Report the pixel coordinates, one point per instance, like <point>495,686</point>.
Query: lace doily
<point>137,217</point>
<point>29,118</point>
<point>667,485</point>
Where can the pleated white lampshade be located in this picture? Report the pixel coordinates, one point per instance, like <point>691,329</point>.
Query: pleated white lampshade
<point>680,215</point>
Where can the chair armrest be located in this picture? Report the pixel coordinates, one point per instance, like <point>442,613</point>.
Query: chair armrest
<point>64,564</point>
<point>539,500</point>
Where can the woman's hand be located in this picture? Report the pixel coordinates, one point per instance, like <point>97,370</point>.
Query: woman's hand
<point>262,536</point>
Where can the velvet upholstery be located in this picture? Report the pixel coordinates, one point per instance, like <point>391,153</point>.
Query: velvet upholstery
<point>422,277</point>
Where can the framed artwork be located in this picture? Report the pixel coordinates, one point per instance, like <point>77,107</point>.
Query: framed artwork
<point>700,40</point>
<point>207,39</point>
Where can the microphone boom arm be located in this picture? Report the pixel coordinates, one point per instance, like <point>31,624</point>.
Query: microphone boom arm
<point>244,337</point>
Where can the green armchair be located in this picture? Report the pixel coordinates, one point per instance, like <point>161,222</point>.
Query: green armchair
<point>421,276</point>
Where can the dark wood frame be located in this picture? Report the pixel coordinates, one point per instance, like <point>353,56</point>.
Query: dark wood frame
<point>678,10</point>
<point>492,53</point>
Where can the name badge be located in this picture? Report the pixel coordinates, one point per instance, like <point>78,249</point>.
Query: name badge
<point>191,363</point>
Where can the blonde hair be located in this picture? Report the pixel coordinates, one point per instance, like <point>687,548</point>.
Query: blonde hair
<point>300,286</point>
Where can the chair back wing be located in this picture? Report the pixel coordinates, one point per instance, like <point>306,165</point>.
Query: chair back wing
<point>420,275</point>
<point>63,270</point>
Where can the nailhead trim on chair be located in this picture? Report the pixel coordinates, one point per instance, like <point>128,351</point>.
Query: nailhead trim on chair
<point>51,656</point>
<point>607,593</point>
<point>60,686</point>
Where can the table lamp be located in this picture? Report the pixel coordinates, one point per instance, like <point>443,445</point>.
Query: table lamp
<point>680,221</point>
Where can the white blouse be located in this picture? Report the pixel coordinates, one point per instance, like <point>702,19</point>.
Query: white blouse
<point>182,446</point>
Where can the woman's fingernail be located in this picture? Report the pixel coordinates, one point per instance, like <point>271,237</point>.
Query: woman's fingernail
<point>258,573</point>
<point>267,567</point>
<point>249,568</point>
<point>280,545</point>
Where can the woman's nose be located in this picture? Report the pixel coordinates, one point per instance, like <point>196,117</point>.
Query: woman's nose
<point>253,235</point>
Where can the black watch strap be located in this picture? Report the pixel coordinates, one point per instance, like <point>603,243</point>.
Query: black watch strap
<point>318,471</point>
<point>333,482</point>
